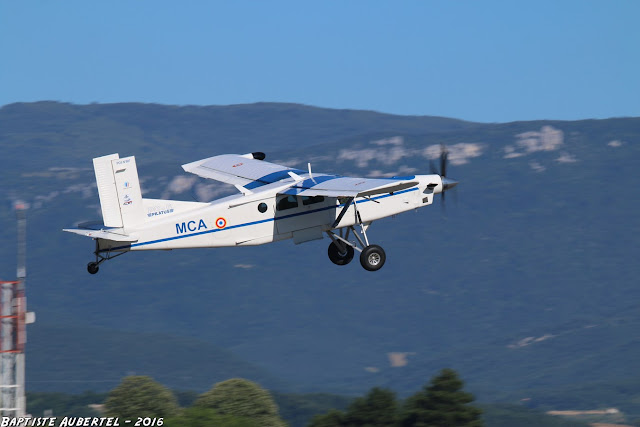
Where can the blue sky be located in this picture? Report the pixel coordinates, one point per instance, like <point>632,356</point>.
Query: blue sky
<point>490,61</point>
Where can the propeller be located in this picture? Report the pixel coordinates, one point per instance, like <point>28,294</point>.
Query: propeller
<point>447,183</point>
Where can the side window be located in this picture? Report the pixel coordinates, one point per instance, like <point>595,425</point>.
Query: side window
<point>306,200</point>
<point>288,202</point>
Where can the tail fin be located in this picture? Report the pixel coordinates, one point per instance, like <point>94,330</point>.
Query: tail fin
<point>119,191</point>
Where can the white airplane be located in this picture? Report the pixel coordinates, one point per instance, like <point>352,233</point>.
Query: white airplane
<point>275,203</point>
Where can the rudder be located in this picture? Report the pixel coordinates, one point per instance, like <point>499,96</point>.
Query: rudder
<point>119,191</point>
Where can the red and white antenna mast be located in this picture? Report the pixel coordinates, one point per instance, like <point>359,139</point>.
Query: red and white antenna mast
<point>13,332</point>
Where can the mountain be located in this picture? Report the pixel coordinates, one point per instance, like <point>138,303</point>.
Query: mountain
<point>526,281</point>
<point>79,358</point>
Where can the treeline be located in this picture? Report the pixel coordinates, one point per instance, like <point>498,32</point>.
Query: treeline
<point>235,402</point>
<point>243,403</point>
<point>442,402</point>
<point>240,402</point>
<point>62,404</point>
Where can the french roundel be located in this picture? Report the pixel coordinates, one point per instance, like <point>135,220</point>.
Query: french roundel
<point>221,222</point>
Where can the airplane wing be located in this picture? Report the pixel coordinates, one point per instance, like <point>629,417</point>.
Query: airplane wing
<point>239,170</point>
<point>247,174</point>
<point>341,186</point>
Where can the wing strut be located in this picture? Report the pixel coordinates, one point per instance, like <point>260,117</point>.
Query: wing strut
<point>363,227</point>
<point>342,212</point>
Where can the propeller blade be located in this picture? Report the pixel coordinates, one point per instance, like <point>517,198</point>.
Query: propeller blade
<point>432,168</point>
<point>444,154</point>
<point>447,183</point>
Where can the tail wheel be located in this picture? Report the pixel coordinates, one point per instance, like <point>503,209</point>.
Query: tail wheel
<point>340,258</point>
<point>372,258</point>
<point>93,267</point>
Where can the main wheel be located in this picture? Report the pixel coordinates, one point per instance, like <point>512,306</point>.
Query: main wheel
<point>340,258</point>
<point>372,258</point>
<point>93,267</point>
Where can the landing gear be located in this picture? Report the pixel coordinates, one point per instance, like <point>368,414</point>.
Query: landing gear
<point>340,253</point>
<point>93,267</point>
<point>372,258</point>
<point>101,255</point>
<point>341,250</point>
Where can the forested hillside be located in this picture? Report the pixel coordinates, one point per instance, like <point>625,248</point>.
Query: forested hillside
<point>526,283</point>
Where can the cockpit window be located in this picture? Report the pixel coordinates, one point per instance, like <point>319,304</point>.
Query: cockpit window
<point>288,202</point>
<point>306,200</point>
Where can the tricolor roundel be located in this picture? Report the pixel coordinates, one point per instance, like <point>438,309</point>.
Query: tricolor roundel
<point>221,222</point>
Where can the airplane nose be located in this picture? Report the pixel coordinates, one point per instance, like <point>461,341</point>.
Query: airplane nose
<point>448,183</point>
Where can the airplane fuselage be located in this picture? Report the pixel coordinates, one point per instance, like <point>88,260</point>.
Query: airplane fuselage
<point>234,221</point>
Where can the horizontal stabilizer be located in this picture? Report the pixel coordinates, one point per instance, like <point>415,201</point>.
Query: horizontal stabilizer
<point>101,234</point>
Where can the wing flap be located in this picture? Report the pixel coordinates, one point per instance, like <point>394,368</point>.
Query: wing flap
<point>389,189</point>
<point>349,187</point>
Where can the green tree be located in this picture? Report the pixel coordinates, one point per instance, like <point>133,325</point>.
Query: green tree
<point>197,416</point>
<point>333,418</point>
<point>242,398</point>
<point>140,396</point>
<point>442,403</point>
<point>378,408</point>
<point>299,409</point>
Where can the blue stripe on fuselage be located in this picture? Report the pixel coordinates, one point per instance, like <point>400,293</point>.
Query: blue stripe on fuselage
<point>246,224</point>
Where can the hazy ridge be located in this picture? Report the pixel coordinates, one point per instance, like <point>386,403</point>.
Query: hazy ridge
<point>528,281</point>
